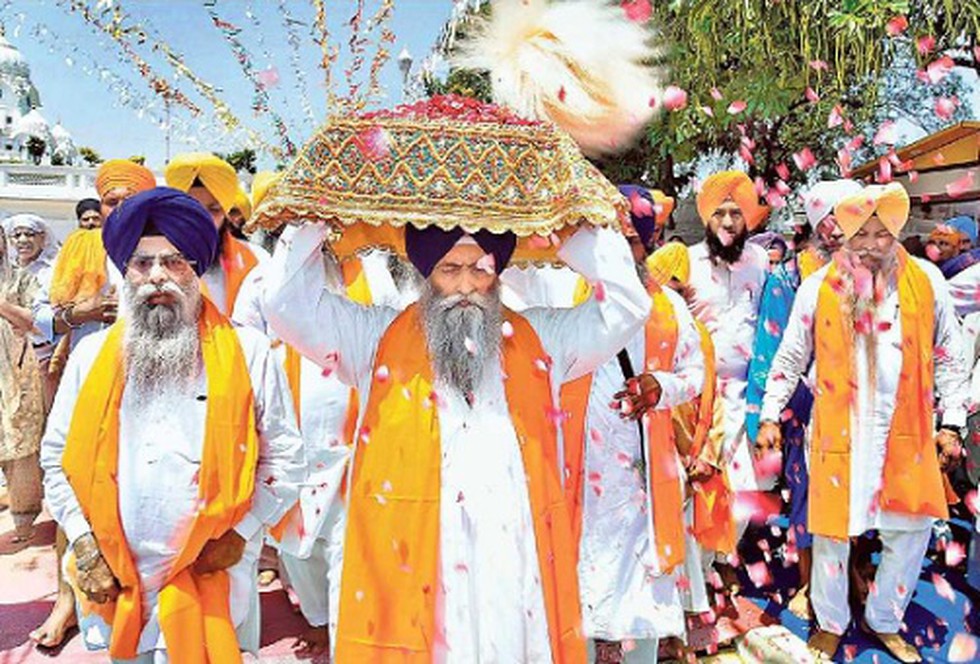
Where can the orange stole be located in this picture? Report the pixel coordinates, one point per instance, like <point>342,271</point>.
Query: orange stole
<point>912,482</point>
<point>714,524</point>
<point>193,609</point>
<point>665,483</point>
<point>390,578</point>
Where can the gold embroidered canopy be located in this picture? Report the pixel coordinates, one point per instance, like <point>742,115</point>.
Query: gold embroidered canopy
<point>447,161</point>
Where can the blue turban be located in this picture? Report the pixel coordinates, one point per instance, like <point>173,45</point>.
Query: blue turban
<point>161,211</point>
<point>426,247</point>
<point>965,225</point>
<point>645,224</point>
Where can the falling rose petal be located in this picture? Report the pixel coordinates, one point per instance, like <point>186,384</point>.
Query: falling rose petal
<point>638,11</point>
<point>884,174</point>
<point>675,98</point>
<point>736,107</point>
<point>836,117</point>
<point>913,176</point>
<point>811,95</point>
<point>561,94</point>
<point>759,574</point>
<point>937,70</point>
<point>887,133</point>
<point>506,329</point>
<point>599,291</point>
<point>374,144</point>
<point>770,465</point>
<point>925,45</point>
<point>943,589</point>
<point>972,501</point>
<point>819,65</point>
<point>746,154</point>
<point>268,78</point>
<point>716,94</point>
<point>961,185</point>
<point>896,26</point>
<point>487,264</point>
<point>782,170</point>
<point>804,159</point>
<point>963,648</point>
<point>946,107</point>
<point>470,346</point>
<point>382,373</point>
<point>954,553</point>
<point>707,111</point>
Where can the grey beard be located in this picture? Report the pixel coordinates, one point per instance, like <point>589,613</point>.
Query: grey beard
<point>162,345</point>
<point>463,342</point>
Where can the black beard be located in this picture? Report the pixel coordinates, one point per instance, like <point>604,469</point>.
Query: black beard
<point>729,254</point>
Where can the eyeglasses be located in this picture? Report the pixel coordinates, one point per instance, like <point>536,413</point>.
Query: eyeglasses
<point>24,233</point>
<point>175,263</point>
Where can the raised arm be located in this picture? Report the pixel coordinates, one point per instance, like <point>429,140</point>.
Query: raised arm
<point>329,329</point>
<point>579,340</point>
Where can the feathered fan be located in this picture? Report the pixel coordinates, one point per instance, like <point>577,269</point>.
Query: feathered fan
<point>581,64</point>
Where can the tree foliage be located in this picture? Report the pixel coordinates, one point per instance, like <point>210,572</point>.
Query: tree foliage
<point>241,160</point>
<point>91,157</point>
<point>36,147</point>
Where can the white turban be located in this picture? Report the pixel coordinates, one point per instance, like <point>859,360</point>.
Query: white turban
<point>35,224</point>
<point>822,197</point>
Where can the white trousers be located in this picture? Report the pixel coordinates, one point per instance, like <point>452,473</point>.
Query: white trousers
<point>901,561</point>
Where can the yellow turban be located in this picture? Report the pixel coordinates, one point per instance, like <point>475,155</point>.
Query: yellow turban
<point>243,204</point>
<point>216,174</point>
<point>735,185</point>
<point>669,261</point>
<point>889,202</point>
<point>260,185</point>
<point>117,173</point>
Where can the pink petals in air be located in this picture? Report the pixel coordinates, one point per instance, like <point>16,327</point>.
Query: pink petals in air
<point>961,185</point>
<point>675,98</point>
<point>945,107</point>
<point>896,26</point>
<point>638,11</point>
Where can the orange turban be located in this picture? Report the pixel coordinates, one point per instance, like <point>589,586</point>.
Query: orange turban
<point>737,186</point>
<point>889,202</point>
<point>117,173</point>
<point>216,174</point>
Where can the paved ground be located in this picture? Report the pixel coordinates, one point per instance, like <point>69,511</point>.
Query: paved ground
<point>940,619</point>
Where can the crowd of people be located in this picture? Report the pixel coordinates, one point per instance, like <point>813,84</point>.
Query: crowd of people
<point>452,458</point>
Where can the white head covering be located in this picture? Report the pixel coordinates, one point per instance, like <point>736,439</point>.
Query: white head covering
<point>38,225</point>
<point>822,197</point>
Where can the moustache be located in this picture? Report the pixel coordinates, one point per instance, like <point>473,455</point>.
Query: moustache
<point>452,301</point>
<point>146,291</point>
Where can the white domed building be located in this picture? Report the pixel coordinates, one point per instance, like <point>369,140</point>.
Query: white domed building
<point>22,125</point>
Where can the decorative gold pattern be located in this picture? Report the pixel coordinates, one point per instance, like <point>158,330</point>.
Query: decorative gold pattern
<point>477,168</point>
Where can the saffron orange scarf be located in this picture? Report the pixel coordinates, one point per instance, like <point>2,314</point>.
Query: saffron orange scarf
<point>237,260</point>
<point>193,609</point>
<point>665,482</point>
<point>390,579</point>
<point>912,482</point>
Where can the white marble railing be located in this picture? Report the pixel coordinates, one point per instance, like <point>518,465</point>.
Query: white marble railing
<point>26,181</point>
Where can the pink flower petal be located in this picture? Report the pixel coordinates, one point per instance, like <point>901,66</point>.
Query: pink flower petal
<point>804,159</point>
<point>961,185</point>
<point>811,95</point>
<point>946,106</point>
<point>736,107</point>
<point>674,98</point>
<point>887,133</point>
<point>963,648</point>
<point>896,26</point>
<point>836,117</point>
<point>925,45</point>
<point>638,11</point>
<point>716,94</point>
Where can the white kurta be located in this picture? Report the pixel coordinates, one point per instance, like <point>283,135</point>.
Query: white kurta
<point>493,604</point>
<point>159,456</point>
<point>215,279</point>
<point>874,405</point>
<point>964,288</point>
<point>624,593</point>
<point>726,299</point>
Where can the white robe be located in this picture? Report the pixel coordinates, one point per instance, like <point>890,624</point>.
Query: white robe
<point>494,610</point>
<point>624,593</point>
<point>726,299</point>
<point>874,404</point>
<point>159,455</point>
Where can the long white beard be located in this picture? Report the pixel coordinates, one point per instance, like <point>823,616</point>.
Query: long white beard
<point>161,343</point>
<point>463,341</point>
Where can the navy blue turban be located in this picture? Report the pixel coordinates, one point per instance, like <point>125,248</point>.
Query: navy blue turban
<point>161,211</point>
<point>426,247</point>
<point>645,224</point>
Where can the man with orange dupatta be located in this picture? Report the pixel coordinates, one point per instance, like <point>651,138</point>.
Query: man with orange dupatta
<point>880,328</point>
<point>194,443</point>
<point>214,184</point>
<point>625,480</point>
<point>82,299</point>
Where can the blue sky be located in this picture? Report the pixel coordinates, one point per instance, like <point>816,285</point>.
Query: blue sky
<point>60,46</point>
